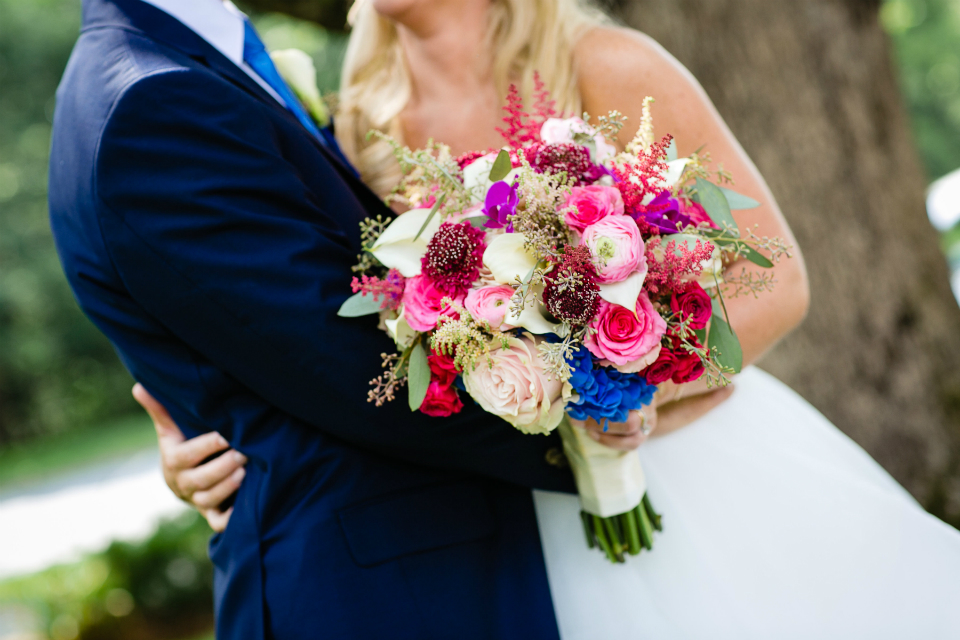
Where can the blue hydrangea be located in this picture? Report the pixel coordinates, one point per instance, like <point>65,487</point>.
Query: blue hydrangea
<point>605,392</point>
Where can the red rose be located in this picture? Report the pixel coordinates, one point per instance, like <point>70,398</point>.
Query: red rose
<point>689,368</point>
<point>442,369</point>
<point>441,401</point>
<point>693,304</point>
<point>663,369</point>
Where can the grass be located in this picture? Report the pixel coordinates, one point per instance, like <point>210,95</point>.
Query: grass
<point>22,465</point>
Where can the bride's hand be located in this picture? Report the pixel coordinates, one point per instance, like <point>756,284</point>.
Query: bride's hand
<point>204,486</point>
<point>625,436</point>
<point>676,413</point>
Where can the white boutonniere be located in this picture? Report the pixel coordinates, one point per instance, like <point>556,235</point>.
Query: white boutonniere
<point>297,70</point>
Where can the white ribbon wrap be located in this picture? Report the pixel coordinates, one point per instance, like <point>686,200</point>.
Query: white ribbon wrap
<point>610,482</point>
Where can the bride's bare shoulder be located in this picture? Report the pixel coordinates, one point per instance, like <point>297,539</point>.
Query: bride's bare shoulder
<point>617,67</point>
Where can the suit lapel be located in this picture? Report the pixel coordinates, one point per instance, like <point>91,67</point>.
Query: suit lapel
<point>162,27</point>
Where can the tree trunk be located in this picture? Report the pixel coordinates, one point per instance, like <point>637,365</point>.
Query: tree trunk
<point>809,89</point>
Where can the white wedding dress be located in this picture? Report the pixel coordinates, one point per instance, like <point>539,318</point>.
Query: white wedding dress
<point>775,526</point>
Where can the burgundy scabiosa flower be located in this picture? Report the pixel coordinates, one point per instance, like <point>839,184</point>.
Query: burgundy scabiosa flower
<point>570,157</point>
<point>454,256</point>
<point>571,292</point>
<point>500,205</point>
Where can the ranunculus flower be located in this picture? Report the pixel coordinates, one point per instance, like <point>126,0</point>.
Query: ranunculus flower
<point>423,303</point>
<point>442,369</point>
<point>557,130</point>
<point>592,204</point>
<point>491,303</point>
<point>441,401</point>
<point>616,242</point>
<point>623,337</point>
<point>689,368</point>
<point>694,305</point>
<point>513,385</point>
<point>663,369</point>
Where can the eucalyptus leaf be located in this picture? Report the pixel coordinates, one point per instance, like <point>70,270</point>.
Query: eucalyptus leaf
<point>756,257</point>
<point>359,305</point>
<point>701,335</point>
<point>726,343</point>
<point>715,203</point>
<point>418,376</point>
<point>433,212</point>
<point>672,150</point>
<point>501,167</point>
<point>738,200</point>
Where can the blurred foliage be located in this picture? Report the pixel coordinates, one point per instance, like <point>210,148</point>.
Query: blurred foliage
<point>159,588</point>
<point>57,372</point>
<point>926,37</point>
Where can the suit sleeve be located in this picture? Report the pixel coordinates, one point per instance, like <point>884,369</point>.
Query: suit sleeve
<point>219,237</point>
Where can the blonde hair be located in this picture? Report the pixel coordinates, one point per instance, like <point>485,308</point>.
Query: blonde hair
<point>526,36</point>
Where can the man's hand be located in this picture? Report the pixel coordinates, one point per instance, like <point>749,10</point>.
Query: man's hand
<point>625,436</point>
<point>205,486</point>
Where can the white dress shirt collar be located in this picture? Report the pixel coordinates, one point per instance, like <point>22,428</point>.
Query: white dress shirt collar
<point>218,22</point>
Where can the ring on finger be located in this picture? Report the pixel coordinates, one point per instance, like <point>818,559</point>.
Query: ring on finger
<point>645,427</point>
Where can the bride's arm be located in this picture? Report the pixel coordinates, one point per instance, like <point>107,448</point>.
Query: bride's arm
<point>617,69</point>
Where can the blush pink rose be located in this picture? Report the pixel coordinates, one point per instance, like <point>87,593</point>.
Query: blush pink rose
<point>491,304</point>
<point>423,303</point>
<point>616,243</point>
<point>513,385</point>
<point>622,337</point>
<point>592,204</point>
<point>441,401</point>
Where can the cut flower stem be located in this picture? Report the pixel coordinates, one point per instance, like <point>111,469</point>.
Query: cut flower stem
<point>626,533</point>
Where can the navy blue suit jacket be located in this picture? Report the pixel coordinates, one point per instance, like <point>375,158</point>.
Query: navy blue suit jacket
<point>211,238</point>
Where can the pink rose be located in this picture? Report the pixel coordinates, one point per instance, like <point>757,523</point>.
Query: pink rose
<point>422,303</point>
<point>441,401</point>
<point>592,204</point>
<point>512,384</point>
<point>622,337</point>
<point>634,366</point>
<point>491,304</point>
<point>696,213</point>
<point>616,243</point>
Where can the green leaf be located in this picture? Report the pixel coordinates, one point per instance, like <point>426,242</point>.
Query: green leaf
<point>672,150</point>
<point>501,166</point>
<point>359,305</point>
<point>715,203</point>
<point>433,212</point>
<point>755,257</point>
<point>701,334</point>
<point>738,200</point>
<point>418,376</point>
<point>726,343</point>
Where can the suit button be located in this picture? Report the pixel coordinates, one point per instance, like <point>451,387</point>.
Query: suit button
<point>555,458</point>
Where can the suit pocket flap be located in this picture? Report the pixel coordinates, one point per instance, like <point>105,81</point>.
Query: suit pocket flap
<point>430,518</point>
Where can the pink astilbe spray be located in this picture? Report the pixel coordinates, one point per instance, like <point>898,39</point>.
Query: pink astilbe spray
<point>643,179</point>
<point>522,128</point>
<point>390,288</point>
<point>670,267</point>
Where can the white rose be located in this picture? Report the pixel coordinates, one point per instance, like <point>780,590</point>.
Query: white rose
<point>297,70</point>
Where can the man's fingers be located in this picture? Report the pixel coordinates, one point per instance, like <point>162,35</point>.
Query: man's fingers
<point>215,495</point>
<point>206,476</point>
<point>683,412</point>
<point>192,452</point>
<point>162,422</point>
<point>217,519</point>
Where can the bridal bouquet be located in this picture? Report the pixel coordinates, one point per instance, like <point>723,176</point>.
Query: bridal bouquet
<point>556,277</point>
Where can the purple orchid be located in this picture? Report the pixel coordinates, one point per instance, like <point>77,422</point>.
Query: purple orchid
<point>664,213</point>
<point>500,205</point>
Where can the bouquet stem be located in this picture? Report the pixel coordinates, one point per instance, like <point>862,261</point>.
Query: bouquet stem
<point>625,533</point>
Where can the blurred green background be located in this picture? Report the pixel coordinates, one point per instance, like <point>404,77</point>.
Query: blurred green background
<point>64,397</point>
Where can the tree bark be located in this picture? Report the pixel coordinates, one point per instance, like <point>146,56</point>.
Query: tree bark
<point>809,89</point>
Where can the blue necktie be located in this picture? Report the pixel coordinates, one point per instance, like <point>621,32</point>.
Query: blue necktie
<point>255,54</point>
